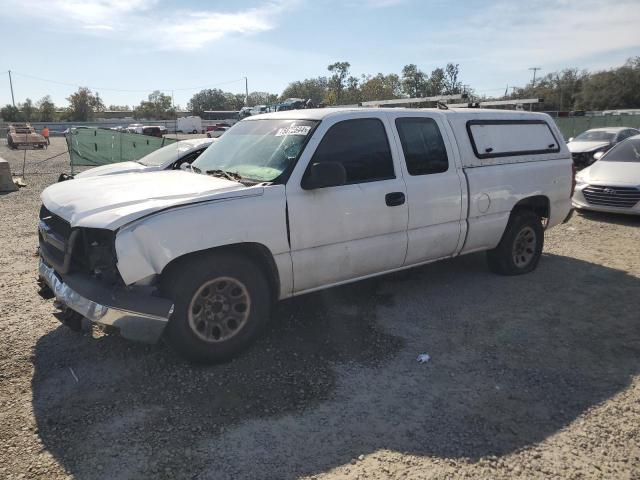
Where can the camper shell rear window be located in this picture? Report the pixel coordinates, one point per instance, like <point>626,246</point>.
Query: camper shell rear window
<point>507,138</point>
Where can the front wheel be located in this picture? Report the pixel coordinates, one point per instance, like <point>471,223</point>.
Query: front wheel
<point>222,302</point>
<point>521,245</point>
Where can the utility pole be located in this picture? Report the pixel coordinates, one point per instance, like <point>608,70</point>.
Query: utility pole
<point>175,116</point>
<point>246,92</point>
<point>535,69</point>
<point>13,100</point>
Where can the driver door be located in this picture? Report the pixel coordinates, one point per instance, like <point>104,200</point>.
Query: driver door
<point>343,232</point>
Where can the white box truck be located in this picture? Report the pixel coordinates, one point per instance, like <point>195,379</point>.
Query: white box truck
<point>190,124</point>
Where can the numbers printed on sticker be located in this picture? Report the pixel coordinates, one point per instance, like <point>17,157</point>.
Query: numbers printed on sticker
<point>293,130</point>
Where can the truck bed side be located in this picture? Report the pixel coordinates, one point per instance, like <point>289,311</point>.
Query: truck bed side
<point>496,185</point>
<point>494,192</point>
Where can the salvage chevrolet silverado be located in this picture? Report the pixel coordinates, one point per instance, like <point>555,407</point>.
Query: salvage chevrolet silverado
<point>291,202</point>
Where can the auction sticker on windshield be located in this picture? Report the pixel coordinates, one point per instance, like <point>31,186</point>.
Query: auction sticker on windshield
<point>293,130</point>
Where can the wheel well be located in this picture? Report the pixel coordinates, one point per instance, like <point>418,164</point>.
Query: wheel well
<point>256,252</point>
<point>539,204</point>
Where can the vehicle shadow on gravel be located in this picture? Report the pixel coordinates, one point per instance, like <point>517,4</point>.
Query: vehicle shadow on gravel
<point>615,218</point>
<point>514,360</point>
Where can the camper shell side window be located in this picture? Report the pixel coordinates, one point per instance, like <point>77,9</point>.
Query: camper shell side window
<point>507,138</point>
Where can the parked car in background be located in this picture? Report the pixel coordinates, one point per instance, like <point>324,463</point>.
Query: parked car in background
<point>291,104</point>
<point>612,184</point>
<point>587,147</point>
<point>259,109</point>
<point>244,112</point>
<point>219,124</point>
<point>170,157</point>
<point>134,128</point>
<point>151,130</point>
<point>190,124</point>
<point>293,202</point>
<point>154,131</point>
<point>214,131</point>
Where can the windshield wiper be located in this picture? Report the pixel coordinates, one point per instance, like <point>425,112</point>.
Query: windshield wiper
<point>233,176</point>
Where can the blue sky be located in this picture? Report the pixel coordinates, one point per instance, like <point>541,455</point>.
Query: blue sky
<point>126,48</point>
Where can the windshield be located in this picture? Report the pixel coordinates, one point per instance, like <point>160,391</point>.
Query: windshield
<point>595,136</point>
<point>257,150</point>
<point>166,154</point>
<point>627,151</point>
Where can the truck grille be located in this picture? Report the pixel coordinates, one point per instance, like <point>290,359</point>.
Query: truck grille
<point>56,239</point>
<point>59,226</point>
<point>621,197</point>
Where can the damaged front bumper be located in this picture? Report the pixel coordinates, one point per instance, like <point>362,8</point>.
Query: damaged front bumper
<point>137,317</point>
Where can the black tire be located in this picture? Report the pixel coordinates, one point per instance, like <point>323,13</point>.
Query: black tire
<point>194,131</point>
<point>185,285</point>
<point>521,245</point>
<point>71,319</point>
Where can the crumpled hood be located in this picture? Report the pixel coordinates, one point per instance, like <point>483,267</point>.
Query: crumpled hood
<point>110,169</point>
<point>612,173</point>
<point>111,201</point>
<point>581,147</point>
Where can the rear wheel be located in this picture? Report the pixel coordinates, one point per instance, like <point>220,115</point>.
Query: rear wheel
<point>222,302</point>
<point>521,245</point>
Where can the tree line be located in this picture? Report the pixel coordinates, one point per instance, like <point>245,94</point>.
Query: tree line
<point>568,89</point>
<point>574,89</point>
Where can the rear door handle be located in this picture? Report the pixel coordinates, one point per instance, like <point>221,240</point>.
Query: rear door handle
<point>394,199</point>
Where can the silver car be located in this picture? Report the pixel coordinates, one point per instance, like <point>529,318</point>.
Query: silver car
<point>611,184</point>
<point>587,147</point>
<point>172,156</point>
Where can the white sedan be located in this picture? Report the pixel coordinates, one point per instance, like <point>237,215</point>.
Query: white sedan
<point>612,184</point>
<point>169,157</point>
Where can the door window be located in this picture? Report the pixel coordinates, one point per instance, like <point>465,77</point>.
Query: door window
<point>361,146</point>
<point>625,134</point>
<point>423,146</point>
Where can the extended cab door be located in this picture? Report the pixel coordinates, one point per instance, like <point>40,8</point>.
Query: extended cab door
<point>436,188</point>
<point>348,231</point>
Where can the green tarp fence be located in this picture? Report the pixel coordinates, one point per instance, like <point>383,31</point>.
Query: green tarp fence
<point>572,126</point>
<point>100,146</point>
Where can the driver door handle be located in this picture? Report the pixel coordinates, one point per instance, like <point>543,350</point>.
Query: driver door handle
<point>394,199</point>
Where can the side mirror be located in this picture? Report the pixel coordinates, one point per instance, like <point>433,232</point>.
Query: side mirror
<point>185,166</point>
<point>598,155</point>
<point>570,140</point>
<point>324,174</point>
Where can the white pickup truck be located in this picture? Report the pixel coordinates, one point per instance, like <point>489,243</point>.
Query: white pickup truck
<point>291,202</point>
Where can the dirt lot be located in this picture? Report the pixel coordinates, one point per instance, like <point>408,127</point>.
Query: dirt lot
<point>532,377</point>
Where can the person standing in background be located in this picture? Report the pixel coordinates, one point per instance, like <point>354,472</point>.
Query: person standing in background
<point>45,134</point>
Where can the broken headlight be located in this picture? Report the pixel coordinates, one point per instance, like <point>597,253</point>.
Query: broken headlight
<point>97,254</point>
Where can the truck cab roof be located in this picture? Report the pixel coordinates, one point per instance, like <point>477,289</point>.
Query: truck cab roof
<point>322,113</point>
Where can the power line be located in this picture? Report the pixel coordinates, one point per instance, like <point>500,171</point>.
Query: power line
<point>124,89</point>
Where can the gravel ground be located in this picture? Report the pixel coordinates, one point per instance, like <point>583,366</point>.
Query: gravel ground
<point>530,377</point>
